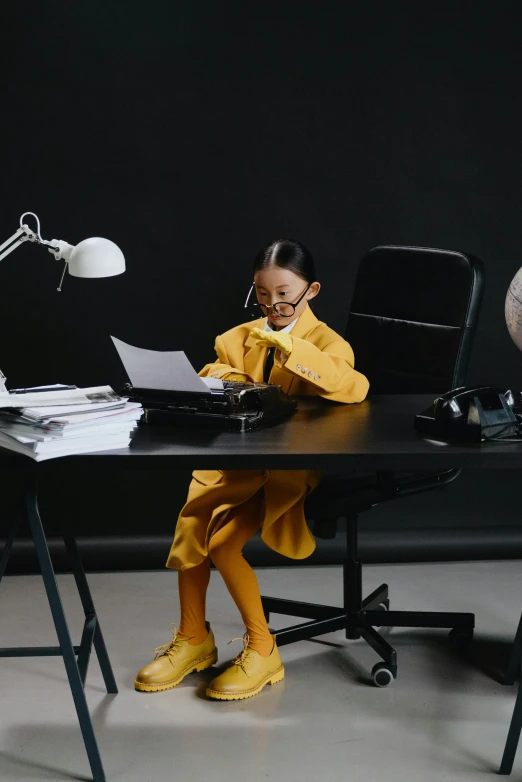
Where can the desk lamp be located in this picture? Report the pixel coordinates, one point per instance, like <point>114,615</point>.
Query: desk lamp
<point>95,257</point>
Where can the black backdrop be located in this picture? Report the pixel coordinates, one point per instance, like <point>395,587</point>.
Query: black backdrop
<point>192,133</point>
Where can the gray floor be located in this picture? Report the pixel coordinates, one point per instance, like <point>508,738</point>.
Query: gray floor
<point>444,718</point>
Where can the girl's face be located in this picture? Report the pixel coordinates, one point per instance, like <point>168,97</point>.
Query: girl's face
<point>273,285</point>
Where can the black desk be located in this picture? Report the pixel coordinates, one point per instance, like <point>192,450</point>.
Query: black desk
<point>375,435</point>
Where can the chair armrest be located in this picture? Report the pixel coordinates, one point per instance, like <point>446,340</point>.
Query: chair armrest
<point>395,484</point>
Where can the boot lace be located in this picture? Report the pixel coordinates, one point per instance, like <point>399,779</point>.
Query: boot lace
<point>246,657</point>
<point>171,648</point>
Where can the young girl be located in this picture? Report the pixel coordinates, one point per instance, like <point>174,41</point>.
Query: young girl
<point>224,508</point>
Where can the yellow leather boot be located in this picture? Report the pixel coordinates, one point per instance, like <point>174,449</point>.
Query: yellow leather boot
<point>173,661</point>
<point>247,675</point>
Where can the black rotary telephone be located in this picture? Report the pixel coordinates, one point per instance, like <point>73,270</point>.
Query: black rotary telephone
<point>475,413</point>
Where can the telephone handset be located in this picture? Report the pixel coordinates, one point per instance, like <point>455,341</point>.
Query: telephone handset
<point>475,413</point>
<point>455,404</point>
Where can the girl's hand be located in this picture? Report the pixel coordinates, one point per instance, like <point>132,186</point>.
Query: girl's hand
<point>273,339</point>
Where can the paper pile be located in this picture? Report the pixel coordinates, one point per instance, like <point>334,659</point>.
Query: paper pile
<point>44,425</point>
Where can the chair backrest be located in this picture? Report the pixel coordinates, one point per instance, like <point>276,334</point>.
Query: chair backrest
<point>413,317</point>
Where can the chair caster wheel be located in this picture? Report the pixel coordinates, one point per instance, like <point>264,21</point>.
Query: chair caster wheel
<point>381,675</point>
<point>460,639</point>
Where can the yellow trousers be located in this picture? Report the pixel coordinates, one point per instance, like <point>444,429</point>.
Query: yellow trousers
<point>224,509</point>
<point>225,549</point>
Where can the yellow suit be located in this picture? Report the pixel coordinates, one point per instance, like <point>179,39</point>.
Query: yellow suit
<point>321,363</point>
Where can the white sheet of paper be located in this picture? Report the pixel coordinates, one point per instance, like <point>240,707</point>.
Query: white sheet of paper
<point>213,383</point>
<point>74,396</point>
<point>162,370</point>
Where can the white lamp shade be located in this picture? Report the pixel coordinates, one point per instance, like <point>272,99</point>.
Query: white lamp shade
<point>96,257</point>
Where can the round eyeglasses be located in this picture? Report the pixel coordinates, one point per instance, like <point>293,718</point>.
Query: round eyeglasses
<point>284,309</point>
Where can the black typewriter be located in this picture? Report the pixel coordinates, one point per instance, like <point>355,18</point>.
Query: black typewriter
<point>237,407</point>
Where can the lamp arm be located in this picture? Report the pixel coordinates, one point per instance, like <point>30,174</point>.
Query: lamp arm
<point>25,234</point>
<point>22,235</point>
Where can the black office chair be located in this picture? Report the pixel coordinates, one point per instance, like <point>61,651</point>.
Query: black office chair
<point>412,321</point>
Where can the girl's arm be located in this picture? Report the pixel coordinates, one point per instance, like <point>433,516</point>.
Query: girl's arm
<point>330,370</point>
<point>222,367</point>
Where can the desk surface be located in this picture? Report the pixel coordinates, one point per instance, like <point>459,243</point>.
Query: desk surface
<point>377,434</point>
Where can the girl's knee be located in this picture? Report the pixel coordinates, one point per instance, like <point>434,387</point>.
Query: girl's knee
<point>220,549</point>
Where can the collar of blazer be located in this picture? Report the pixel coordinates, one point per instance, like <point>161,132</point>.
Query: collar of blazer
<point>255,356</point>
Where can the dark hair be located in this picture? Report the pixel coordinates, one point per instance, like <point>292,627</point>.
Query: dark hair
<point>287,254</point>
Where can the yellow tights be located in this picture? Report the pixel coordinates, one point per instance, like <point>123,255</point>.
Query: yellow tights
<point>225,549</point>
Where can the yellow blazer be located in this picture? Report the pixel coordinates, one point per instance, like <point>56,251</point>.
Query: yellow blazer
<point>322,363</point>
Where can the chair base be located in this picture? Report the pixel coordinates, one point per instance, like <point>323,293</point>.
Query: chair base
<point>374,613</point>
<point>360,616</point>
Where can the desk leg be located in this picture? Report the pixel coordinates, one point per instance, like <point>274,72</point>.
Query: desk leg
<point>6,553</point>
<point>62,631</point>
<point>90,614</point>
<point>513,736</point>
<point>513,668</point>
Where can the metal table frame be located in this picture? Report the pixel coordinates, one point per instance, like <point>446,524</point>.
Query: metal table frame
<point>76,658</point>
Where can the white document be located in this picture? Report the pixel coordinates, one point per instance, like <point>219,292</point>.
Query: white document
<point>35,435</point>
<point>161,370</point>
<point>97,395</point>
<point>131,411</point>
<point>66,447</point>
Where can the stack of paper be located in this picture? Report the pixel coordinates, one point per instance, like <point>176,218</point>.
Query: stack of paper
<point>61,423</point>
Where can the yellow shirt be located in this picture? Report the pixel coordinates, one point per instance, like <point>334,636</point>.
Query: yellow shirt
<point>321,363</point>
